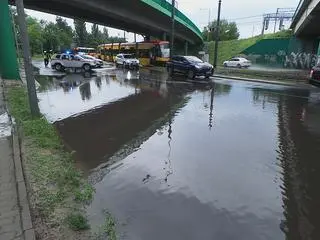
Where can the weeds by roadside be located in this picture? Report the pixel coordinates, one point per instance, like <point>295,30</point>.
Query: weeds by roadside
<point>57,187</point>
<point>77,221</point>
<point>107,230</point>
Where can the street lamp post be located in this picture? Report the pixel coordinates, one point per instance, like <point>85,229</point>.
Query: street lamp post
<point>172,29</point>
<point>217,37</point>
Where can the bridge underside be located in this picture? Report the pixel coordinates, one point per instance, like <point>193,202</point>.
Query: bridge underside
<point>307,24</point>
<point>134,16</point>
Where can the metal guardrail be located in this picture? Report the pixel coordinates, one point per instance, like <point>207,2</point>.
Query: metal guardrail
<point>166,5</point>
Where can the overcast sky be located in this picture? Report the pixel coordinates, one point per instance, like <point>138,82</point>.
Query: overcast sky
<point>198,11</point>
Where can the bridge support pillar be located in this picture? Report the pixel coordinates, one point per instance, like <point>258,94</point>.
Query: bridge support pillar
<point>8,57</point>
<point>318,53</point>
<point>147,38</point>
<point>186,45</point>
<point>164,36</point>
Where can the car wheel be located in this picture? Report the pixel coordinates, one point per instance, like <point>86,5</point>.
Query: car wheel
<point>191,74</point>
<point>225,65</point>
<point>58,67</point>
<point>86,67</point>
<point>239,65</point>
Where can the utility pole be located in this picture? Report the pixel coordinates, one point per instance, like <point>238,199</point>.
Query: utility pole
<point>32,94</point>
<point>263,26</point>
<point>217,37</point>
<point>275,21</point>
<point>172,29</point>
<point>209,24</point>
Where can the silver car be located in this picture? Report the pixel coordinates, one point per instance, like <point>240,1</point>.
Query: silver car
<point>127,61</point>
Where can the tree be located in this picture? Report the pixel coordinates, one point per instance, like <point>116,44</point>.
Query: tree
<point>51,39</point>
<point>35,35</point>
<point>81,34</point>
<point>228,31</point>
<point>105,34</point>
<point>64,32</point>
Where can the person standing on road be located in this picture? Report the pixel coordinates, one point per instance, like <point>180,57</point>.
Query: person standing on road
<point>46,58</point>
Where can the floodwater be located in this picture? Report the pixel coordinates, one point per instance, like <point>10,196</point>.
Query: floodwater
<point>178,160</point>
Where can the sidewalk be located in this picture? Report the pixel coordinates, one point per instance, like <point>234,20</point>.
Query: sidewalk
<point>15,220</point>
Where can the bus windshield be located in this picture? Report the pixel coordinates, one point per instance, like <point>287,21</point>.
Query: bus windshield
<point>165,50</point>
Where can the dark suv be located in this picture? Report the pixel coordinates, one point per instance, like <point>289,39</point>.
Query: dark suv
<point>315,74</point>
<point>190,66</point>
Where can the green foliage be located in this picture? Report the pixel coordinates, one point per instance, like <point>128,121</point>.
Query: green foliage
<point>54,177</point>
<point>85,194</point>
<point>77,221</point>
<point>227,31</point>
<point>109,227</point>
<point>35,35</point>
<point>81,34</point>
<point>229,49</point>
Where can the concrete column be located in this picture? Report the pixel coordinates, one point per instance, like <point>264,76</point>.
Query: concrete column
<point>8,58</point>
<point>186,48</point>
<point>164,36</point>
<point>318,53</point>
<point>147,38</point>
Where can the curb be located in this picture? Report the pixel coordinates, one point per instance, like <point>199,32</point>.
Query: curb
<point>263,81</point>
<point>23,200</point>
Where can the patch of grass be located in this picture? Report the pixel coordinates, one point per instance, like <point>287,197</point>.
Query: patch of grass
<point>229,49</point>
<point>85,194</point>
<point>37,57</point>
<point>77,221</point>
<point>110,227</point>
<point>54,180</point>
<point>107,230</point>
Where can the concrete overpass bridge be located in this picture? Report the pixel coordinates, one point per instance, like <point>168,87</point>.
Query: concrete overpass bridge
<point>305,25</point>
<point>306,19</point>
<point>146,17</point>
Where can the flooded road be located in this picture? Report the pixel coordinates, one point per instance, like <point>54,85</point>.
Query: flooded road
<point>178,160</point>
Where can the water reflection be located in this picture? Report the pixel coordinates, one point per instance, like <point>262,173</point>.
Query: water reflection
<point>85,91</point>
<point>254,177</point>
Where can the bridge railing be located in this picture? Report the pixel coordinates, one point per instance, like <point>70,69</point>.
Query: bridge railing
<point>166,5</point>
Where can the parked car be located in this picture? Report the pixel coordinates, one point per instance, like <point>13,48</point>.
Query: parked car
<point>190,66</point>
<point>238,62</point>
<point>127,61</point>
<point>98,62</point>
<point>61,61</point>
<point>315,74</point>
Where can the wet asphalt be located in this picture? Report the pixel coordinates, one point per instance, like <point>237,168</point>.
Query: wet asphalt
<point>176,159</point>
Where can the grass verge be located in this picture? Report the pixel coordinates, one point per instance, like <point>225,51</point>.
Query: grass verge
<point>57,188</point>
<point>231,48</point>
<point>288,76</point>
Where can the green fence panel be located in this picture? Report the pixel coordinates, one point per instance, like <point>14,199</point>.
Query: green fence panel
<point>8,58</point>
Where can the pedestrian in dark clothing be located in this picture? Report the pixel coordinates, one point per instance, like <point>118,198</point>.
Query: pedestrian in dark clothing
<point>46,57</point>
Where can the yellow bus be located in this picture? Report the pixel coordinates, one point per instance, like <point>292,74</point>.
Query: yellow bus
<point>84,50</point>
<point>148,53</point>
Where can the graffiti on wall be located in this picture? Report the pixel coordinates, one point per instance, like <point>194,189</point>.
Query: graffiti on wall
<point>300,60</point>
